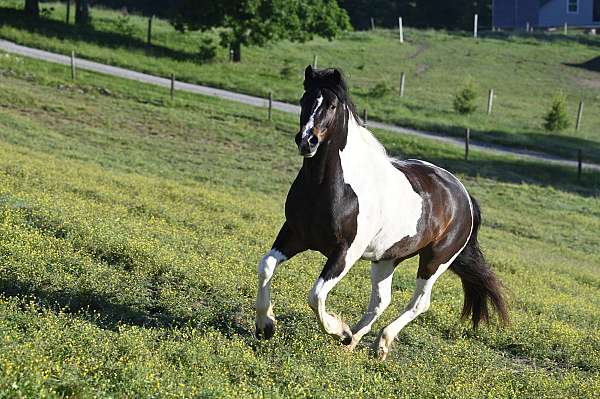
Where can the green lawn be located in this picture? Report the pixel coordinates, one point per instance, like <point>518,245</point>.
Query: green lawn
<point>526,72</point>
<point>130,230</point>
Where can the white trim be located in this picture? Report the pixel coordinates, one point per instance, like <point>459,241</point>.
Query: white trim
<point>576,12</point>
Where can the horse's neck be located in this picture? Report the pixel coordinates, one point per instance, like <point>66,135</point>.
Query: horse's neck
<point>323,168</point>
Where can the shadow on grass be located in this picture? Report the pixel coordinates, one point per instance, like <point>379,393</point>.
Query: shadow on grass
<point>59,30</point>
<point>590,65</point>
<point>220,314</point>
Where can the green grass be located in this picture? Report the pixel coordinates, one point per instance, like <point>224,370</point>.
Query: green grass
<point>130,230</point>
<point>525,71</point>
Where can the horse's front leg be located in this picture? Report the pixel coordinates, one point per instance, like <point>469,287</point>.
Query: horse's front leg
<point>336,267</point>
<point>285,246</point>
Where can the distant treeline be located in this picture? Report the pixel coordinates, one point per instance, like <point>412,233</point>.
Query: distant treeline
<point>448,14</point>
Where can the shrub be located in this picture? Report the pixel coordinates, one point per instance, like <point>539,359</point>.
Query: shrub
<point>381,89</point>
<point>124,26</point>
<point>464,101</point>
<point>287,72</point>
<point>208,48</point>
<point>556,119</point>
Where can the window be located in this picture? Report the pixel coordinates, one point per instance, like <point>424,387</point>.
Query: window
<point>573,6</point>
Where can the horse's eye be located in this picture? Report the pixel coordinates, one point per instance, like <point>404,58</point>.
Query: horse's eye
<point>332,107</point>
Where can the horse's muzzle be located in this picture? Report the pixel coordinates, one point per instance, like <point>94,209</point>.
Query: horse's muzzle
<point>308,146</point>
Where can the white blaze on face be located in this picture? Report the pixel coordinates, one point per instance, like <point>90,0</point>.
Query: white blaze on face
<point>311,121</point>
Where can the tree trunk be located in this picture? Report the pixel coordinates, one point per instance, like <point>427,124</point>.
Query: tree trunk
<point>82,12</point>
<point>32,7</point>
<point>236,46</point>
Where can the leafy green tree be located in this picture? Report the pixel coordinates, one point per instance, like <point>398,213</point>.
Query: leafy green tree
<point>257,22</point>
<point>32,7</point>
<point>556,119</point>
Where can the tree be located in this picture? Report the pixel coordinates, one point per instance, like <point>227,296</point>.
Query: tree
<point>556,119</point>
<point>257,22</point>
<point>32,7</point>
<point>82,12</point>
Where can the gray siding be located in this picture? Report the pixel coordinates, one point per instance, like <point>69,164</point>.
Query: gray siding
<point>554,13</point>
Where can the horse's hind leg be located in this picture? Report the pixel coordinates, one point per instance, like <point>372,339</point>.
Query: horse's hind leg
<point>433,261</point>
<point>381,296</point>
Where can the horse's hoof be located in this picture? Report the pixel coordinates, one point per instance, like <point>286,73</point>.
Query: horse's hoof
<point>382,353</point>
<point>346,338</point>
<point>267,331</point>
<point>352,345</point>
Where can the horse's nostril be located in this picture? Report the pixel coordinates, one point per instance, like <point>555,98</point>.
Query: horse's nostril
<point>313,140</point>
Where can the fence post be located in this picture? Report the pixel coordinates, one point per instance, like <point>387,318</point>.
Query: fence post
<point>270,104</point>
<point>315,59</point>
<point>402,80</point>
<point>372,24</point>
<point>400,29</point>
<point>68,12</point>
<point>579,115</point>
<point>365,115</point>
<point>490,101</point>
<point>172,85</point>
<point>566,29</point>
<point>149,39</point>
<point>230,55</point>
<point>475,26</point>
<point>579,163</point>
<point>467,139</point>
<point>73,70</point>
<point>527,27</point>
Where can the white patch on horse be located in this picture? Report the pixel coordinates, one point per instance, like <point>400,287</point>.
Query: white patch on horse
<point>389,208</point>
<point>266,268</point>
<point>311,121</point>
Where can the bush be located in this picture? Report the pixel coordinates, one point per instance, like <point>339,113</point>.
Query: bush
<point>287,72</point>
<point>381,89</point>
<point>556,119</point>
<point>208,49</point>
<point>464,101</point>
<point>124,26</point>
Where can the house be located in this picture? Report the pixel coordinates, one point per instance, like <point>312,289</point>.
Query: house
<point>517,14</point>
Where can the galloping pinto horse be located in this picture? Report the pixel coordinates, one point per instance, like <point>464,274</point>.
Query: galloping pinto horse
<point>351,201</point>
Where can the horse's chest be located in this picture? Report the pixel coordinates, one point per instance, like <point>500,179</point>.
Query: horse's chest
<point>322,217</point>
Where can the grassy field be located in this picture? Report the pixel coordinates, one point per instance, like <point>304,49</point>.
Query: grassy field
<point>525,71</point>
<point>130,230</point>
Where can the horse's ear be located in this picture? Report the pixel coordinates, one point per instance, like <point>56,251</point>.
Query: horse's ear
<point>309,73</point>
<point>337,76</point>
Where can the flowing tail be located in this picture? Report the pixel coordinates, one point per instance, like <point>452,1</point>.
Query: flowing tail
<point>480,284</point>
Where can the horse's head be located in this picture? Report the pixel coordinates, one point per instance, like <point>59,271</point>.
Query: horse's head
<point>323,109</point>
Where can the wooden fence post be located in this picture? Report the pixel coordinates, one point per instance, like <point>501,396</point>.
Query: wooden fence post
<point>315,59</point>
<point>579,115</point>
<point>149,38</point>
<point>467,139</point>
<point>73,70</point>
<point>172,85</point>
<point>401,29</point>
<point>475,20</point>
<point>579,163</point>
<point>490,101</point>
<point>566,29</point>
<point>365,115</point>
<point>372,24</point>
<point>402,80</point>
<point>68,12</point>
<point>270,105</point>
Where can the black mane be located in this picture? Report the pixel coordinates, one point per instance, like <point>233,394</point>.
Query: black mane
<point>333,80</point>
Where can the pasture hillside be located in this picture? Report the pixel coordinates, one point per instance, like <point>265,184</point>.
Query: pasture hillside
<point>526,71</point>
<point>130,230</point>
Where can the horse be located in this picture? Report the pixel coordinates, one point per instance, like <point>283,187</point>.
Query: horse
<point>351,201</point>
